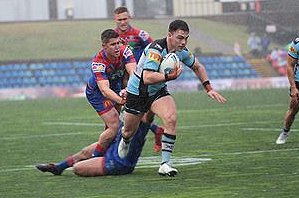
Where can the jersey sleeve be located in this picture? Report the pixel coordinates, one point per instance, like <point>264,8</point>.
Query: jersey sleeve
<point>99,70</point>
<point>152,60</point>
<point>187,57</point>
<point>294,49</point>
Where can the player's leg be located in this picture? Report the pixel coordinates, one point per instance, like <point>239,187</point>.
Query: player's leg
<point>111,120</point>
<point>165,108</point>
<point>135,107</point>
<point>288,120</point>
<point>58,168</point>
<point>157,130</point>
<point>90,168</point>
<point>131,123</point>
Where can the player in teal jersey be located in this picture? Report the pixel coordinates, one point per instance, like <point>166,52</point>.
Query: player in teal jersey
<point>147,90</point>
<point>293,77</point>
<point>137,39</point>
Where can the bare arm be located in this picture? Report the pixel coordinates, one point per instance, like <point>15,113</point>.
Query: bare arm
<point>200,71</point>
<point>202,75</point>
<point>130,67</point>
<point>151,77</point>
<point>104,87</point>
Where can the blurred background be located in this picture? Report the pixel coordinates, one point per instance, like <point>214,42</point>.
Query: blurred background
<point>46,45</point>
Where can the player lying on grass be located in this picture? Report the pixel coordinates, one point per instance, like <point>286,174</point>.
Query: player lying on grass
<point>110,164</point>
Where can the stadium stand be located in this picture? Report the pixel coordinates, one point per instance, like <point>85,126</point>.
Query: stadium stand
<point>76,72</point>
<point>224,67</point>
<point>40,74</point>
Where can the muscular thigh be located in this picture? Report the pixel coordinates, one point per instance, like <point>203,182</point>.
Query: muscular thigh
<point>111,117</point>
<point>164,107</point>
<point>90,168</point>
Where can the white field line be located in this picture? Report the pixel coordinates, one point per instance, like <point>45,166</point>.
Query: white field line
<point>73,123</point>
<point>264,129</point>
<point>21,136</point>
<point>149,162</point>
<point>232,108</point>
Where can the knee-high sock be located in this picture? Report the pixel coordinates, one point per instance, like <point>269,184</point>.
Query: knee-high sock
<point>167,147</point>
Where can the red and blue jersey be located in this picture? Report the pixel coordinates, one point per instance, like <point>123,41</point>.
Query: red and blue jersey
<point>102,68</point>
<point>136,38</point>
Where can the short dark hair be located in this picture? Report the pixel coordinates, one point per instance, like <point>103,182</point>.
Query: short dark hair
<point>108,34</point>
<point>120,10</point>
<point>178,25</point>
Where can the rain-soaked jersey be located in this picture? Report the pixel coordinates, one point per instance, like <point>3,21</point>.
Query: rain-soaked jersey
<point>137,39</point>
<point>294,52</point>
<point>104,69</point>
<point>150,60</point>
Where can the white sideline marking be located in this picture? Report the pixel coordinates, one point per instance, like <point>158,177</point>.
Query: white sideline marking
<point>24,136</point>
<point>180,127</point>
<point>73,123</point>
<point>154,161</point>
<point>149,162</point>
<point>264,129</point>
<point>41,136</point>
<point>143,162</point>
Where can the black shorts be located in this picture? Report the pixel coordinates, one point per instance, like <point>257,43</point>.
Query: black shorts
<point>137,105</point>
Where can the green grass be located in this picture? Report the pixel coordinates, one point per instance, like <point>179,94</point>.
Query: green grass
<point>80,39</point>
<point>238,137</point>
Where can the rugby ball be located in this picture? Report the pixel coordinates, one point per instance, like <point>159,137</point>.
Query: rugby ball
<point>168,63</point>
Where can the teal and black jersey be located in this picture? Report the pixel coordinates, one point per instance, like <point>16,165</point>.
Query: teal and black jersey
<point>150,60</point>
<point>294,52</point>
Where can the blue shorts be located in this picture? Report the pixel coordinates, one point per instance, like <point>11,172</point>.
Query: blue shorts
<point>114,165</point>
<point>100,103</point>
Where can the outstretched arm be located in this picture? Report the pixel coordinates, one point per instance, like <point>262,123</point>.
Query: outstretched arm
<point>104,87</point>
<point>202,75</point>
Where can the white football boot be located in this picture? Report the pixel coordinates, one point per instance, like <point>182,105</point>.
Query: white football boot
<point>167,170</point>
<point>123,148</point>
<point>282,138</point>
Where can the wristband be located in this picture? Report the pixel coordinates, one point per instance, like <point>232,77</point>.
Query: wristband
<point>207,86</point>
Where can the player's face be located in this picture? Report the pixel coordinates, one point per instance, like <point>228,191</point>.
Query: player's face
<point>112,47</point>
<point>122,21</point>
<point>178,39</point>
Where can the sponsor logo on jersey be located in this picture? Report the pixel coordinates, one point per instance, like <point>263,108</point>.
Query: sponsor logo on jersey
<point>293,50</point>
<point>98,67</point>
<point>143,35</point>
<point>190,54</point>
<point>155,56</point>
<point>127,52</point>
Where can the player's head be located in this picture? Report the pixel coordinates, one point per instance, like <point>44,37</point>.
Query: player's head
<point>178,34</point>
<point>122,18</point>
<point>110,42</point>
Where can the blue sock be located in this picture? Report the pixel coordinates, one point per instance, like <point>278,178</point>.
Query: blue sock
<point>167,147</point>
<point>153,127</point>
<point>68,162</point>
